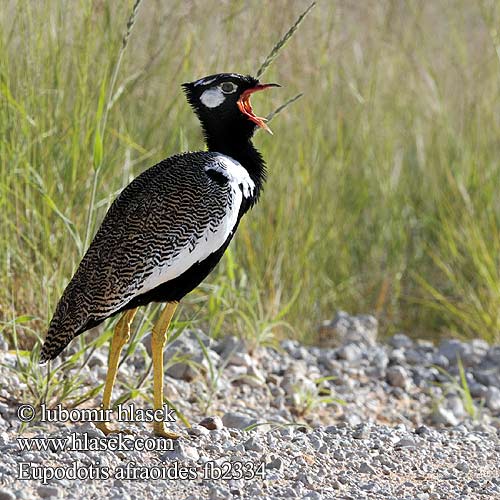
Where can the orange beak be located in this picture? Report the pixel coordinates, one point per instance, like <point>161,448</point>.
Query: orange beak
<point>246,108</point>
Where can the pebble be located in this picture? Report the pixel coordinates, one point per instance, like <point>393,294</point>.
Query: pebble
<point>252,444</point>
<point>237,420</point>
<point>406,443</point>
<point>198,430</point>
<point>313,495</point>
<point>443,416</point>
<point>462,466</point>
<point>46,491</point>
<point>275,463</point>
<point>401,341</point>
<point>453,349</point>
<point>361,432</point>
<point>397,376</point>
<point>6,494</point>
<point>493,399</point>
<point>346,329</point>
<point>218,493</point>
<point>212,423</point>
<point>350,352</point>
<point>365,468</point>
<point>181,452</point>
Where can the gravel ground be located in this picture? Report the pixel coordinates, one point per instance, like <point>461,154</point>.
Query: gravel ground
<point>356,418</point>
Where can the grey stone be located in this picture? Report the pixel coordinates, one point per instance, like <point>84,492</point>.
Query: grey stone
<point>229,346</point>
<point>397,356</point>
<point>453,349</point>
<point>290,493</point>
<point>350,352</point>
<point>336,485</point>
<point>313,495</point>
<point>237,420</point>
<point>347,329</point>
<point>212,423</point>
<point>240,359</point>
<point>316,442</point>
<point>423,430</point>
<point>494,355</point>
<point>425,345</point>
<point>365,468</point>
<point>254,377</point>
<point>306,478</point>
<point>379,358</point>
<point>493,399</point>
<point>98,359</point>
<point>352,419</point>
<point>478,390</point>
<point>290,345</point>
<point>462,466</point>
<point>407,442</point>
<point>181,451</point>
<point>292,383</point>
<point>401,341</point>
<point>397,376</point>
<point>275,463</point>
<point>46,491</point>
<point>455,404</point>
<point>198,430</point>
<point>415,357</point>
<point>218,493</point>
<point>443,416</point>
<point>479,348</point>
<point>361,432</point>
<point>487,376</point>
<point>6,494</point>
<point>252,444</point>
<point>90,429</point>
<point>440,360</point>
<point>304,354</point>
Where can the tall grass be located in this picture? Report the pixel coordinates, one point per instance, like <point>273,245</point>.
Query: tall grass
<point>383,179</point>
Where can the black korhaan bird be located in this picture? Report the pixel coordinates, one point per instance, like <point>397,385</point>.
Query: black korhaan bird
<point>168,229</point>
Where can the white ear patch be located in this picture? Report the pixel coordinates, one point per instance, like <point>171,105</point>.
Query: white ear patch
<point>212,98</point>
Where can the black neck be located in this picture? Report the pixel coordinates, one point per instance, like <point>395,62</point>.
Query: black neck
<point>243,151</point>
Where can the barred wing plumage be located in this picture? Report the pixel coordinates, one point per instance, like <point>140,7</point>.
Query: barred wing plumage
<point>169,218</point>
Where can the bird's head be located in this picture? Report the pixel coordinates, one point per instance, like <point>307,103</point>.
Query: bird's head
<point>222,103</point>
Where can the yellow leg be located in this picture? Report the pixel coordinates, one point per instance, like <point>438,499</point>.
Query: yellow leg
<point>120,338</point>
<point>158,339</point>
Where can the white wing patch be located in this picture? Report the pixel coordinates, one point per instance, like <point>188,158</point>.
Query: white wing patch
<point>234,172</point>
<point>215,234</point>
<point>212,97</point>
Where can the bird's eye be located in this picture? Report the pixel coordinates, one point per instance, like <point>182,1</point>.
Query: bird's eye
<point>228,87</point>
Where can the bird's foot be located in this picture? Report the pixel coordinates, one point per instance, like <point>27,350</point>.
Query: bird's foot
<point>159,430</point>
<point>106,429</point>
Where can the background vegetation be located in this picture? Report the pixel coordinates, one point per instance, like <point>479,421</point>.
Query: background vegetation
<point>383,191</point>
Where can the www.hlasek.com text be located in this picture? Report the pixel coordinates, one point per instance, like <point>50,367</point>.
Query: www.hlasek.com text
<point>85,442</point>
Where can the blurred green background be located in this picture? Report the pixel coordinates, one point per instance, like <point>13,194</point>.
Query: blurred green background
<point>383,188</point>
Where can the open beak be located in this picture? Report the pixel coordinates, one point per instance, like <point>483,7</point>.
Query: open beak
<point>246,108</point>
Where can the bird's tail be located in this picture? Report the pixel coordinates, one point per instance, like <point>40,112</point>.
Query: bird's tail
<point>62,329</point>
<point>53,345</point>
<point>55,342</point>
